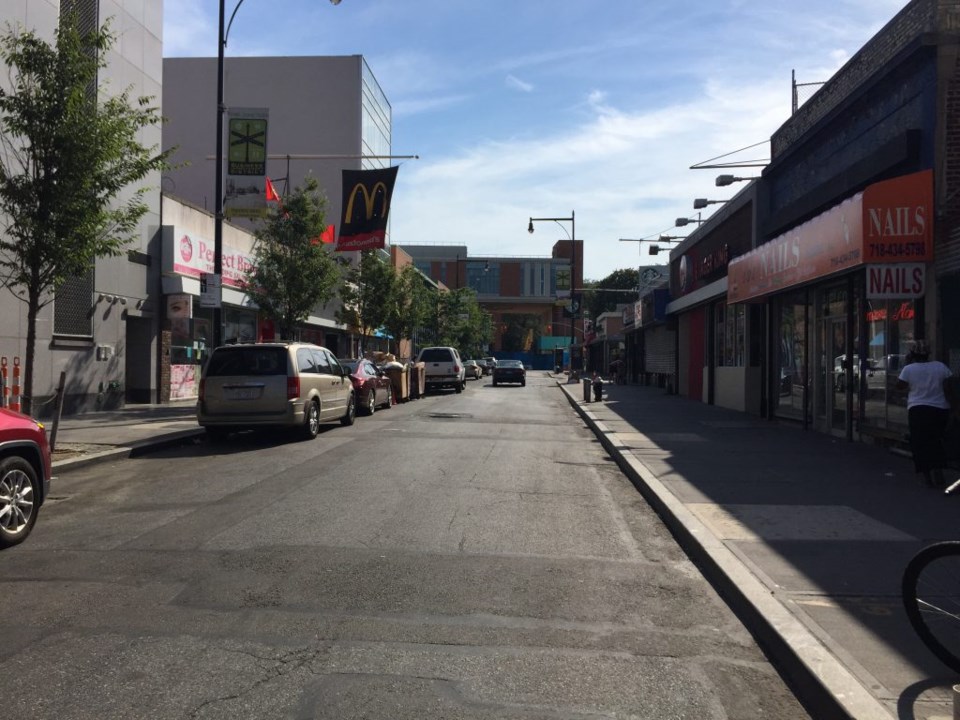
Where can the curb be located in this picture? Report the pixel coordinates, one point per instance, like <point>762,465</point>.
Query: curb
<point>823,684</point>
<point>127,451</point>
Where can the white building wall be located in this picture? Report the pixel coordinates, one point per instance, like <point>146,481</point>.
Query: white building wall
<point>123,331</point>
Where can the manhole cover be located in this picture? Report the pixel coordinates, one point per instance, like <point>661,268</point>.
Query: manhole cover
<point>449,416</point>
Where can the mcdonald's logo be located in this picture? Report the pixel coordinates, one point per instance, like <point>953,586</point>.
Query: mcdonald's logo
<point>369,198</point>
<point>364,227</point>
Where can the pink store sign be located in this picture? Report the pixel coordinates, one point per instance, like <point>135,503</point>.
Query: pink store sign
<point>193,255</point>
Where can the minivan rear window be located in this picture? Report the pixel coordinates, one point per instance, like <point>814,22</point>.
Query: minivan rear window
<point>248,361</point>
<point>436,355</point>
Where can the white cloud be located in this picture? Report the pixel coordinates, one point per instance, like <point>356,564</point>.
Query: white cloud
<point>416,106</point>
<point>517,84</point>
<point>624,174</point>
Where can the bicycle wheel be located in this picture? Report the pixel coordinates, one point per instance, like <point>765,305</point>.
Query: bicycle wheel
<point>931,597</point>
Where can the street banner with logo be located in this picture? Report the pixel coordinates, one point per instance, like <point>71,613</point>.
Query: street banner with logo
<point>245,194</point>
<point>563,282</point>
<point>366,204</point>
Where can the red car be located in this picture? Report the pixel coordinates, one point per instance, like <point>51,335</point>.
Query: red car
<point>25,470</point>
<point>371,386</point>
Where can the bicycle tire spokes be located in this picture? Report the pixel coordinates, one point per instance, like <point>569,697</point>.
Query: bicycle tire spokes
<point>931,598</point>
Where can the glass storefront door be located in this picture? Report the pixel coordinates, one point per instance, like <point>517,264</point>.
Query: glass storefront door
<point>835,367</point>
<point>836,382</point>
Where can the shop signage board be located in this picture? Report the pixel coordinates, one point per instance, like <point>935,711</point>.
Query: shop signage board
<point>193,255</point>
<point>896,282</point>
<point>888,223</point>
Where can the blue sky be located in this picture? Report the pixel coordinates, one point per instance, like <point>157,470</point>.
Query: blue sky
<point>521,108</point>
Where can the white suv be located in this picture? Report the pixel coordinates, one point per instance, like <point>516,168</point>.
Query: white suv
<point>444,368</point>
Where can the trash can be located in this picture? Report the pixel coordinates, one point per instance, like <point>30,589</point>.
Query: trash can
<point>586,389</point>
<point>400,379</point>
<point>418,380</point>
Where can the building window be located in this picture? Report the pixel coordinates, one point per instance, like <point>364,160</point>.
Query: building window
<point>730,335</point>
<point>72,308</point>
<point>890,326</point>
<point>537,279</point>
<point>484,277</point>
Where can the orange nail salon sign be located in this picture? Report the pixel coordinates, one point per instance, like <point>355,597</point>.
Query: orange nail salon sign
<point>889,222</point>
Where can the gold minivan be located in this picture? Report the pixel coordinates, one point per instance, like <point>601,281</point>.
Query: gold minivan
<point>261,385</point>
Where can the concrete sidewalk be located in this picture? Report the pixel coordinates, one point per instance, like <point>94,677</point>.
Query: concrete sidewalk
<point>98,436</point>
<point>805,535</point>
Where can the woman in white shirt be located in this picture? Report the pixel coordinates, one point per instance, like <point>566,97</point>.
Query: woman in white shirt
<point>927,411</point>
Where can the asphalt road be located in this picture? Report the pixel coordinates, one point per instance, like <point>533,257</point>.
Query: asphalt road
<point>459,556</point>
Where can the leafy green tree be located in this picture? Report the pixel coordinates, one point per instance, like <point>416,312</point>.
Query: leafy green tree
<point>66,155</point>
<point>461,322</point>
<point>368,293</point>
<point>478,332</point>
<point>410,306</point>
<point>293,271</point>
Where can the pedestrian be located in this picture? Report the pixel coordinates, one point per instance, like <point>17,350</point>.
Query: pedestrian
<point>927,411</point>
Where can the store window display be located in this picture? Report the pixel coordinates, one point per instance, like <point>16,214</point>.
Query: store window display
<point>184,349</point>
<point>890,327</point>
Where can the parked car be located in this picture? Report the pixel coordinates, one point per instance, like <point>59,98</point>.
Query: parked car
<point>444,368</point>
<point>25,475</point>
<point>509,371</point>
<point>261,385</point>
<point>370,384</point>
<point>472,369</point>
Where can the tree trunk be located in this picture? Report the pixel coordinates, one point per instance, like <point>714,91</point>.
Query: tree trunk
<point>26,392</point>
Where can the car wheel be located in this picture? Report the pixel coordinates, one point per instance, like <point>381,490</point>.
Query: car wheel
<point>19,494</point>
<point>458,386</point>
<point>371,403</point>
<point>494,383</point>
<point>389,401</point>
<point>351,413</point>
<point>523,383</point>
<point>311,420</point>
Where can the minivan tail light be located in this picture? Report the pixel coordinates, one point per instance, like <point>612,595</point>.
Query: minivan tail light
<point>293,387</point>
<point>456,368</point>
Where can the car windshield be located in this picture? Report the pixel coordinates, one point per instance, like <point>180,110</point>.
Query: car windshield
<point>248,361</point>
<point>436,355</point>
<point>511,364</point>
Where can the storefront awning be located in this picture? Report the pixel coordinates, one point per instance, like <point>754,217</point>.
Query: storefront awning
<point>889,222</point>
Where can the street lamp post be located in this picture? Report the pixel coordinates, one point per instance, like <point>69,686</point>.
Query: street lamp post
<point>655,244</point>
<point>701,203</point>
<point>573,265</point>
<point>218,192</point>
